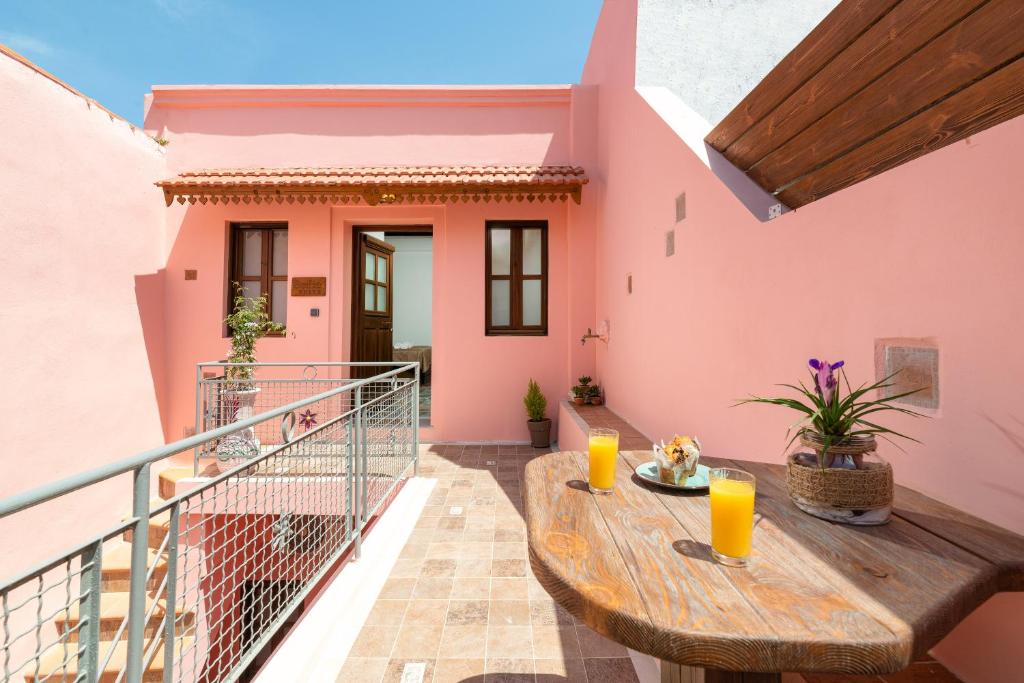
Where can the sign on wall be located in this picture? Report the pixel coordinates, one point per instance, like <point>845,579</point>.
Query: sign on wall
<point>309,286</point>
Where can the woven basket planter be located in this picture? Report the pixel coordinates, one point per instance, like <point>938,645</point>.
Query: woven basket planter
<point>860,496</point>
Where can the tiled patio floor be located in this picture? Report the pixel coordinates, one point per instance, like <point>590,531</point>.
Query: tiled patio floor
<point>462,599</point>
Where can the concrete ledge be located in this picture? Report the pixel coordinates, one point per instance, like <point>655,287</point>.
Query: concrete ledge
<point>575,421</point>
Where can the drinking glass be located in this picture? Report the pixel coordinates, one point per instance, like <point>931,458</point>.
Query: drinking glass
<point>604,451</point>
<point>732,515</point>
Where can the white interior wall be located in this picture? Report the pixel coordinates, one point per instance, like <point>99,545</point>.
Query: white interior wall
<point>413,288</point>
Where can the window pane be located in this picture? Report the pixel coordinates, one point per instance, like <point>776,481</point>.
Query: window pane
<point>369,266</point>
<point>531,302</point>
<point>532,240</point>
<point>500,302</point>
<point>382,269</point>
<point>250,290</point>
<point>501,251</point>
<point>368,296</point>
<point>279,301</point>
<point>252,252</point>
<point>280,252</point>
<point>382,299</point>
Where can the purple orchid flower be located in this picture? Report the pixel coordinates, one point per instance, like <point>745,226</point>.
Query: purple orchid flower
<point>824,379</point>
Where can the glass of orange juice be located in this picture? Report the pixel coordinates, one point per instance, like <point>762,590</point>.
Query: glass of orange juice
<point>732,515</point>
<point>604,451</point>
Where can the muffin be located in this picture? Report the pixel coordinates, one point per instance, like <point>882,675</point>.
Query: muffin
<point>677,459</point>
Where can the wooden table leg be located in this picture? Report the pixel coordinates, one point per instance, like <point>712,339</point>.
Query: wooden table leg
<point>680,673</point>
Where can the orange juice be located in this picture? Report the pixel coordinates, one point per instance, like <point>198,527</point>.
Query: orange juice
<point>604,450</point>
<point>732,515</point>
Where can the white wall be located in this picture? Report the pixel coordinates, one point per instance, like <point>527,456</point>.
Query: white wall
<point>413,286</point>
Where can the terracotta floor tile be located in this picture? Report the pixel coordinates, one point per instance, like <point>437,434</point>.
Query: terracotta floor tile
<point>433,588</point>
<point>513,642</point>
<point>508,568</point>
<point>505,550</point>
<point>560,671</point>
<point>374,641</point>
<point>480,567</point>
<point>426,612</point>
<point>393,673</point>
<point>611,670</point>
<point>550,642</point>
<point>595,645</point>
<point>406,569</point>
<point>506,670</point>
<point>509,589</point>
<point>510,612</point>
<point>387,613</point>
<point>458,670</point>
<point>468,612</point>
<point>461,642</point>
<point>471,588</point>
<point>548,613</point>
<point>438,568</point>
<point>362,670</point>
<point>417,641</point>
<point>414,551</point>
<point>397,589</point>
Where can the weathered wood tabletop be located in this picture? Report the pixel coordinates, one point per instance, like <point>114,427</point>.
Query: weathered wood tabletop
<point>636,566</point>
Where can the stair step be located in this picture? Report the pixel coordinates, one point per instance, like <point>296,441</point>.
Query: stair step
<point>114,610</point>
<point>117,562</point>
<point>52,663</point>
<point>158,525</point>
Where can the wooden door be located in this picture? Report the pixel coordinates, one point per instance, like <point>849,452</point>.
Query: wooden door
<point>372,304</point>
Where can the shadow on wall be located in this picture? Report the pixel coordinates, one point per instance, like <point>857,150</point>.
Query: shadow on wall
<point>149,297</point>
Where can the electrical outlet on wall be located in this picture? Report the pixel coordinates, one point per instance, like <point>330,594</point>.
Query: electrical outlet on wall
<point>774,211</point>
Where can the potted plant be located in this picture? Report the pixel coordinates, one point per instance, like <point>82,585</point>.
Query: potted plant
<point>248,323</point>
<point>581,391</point>
<point>835,472</point>
<point>594,397</point>
<point>539,425</point>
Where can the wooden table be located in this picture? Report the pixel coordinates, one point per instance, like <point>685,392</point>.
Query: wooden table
<point>818,597</point>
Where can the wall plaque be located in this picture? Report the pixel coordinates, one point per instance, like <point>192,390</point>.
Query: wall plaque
<point>309,286</point>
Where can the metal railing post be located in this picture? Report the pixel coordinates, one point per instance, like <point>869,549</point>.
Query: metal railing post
<point>89,624</point>
<point>357,448</point>
<point>137,577</point>
<point>170,607</point>
<point>199,409</point>
<point>416,421</point>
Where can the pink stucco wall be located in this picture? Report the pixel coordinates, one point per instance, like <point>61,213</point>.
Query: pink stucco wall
<point>478,381</point>
<point>929,249</point>
<point>80,302</point>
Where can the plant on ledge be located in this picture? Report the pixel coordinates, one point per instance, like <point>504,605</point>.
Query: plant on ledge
<point>536,409</point>
<point>248,323</point>
<point>581,392</point>
<point>836,472</point>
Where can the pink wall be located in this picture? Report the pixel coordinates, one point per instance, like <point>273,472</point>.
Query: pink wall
<point>930,249</point>
<point>81,301</point>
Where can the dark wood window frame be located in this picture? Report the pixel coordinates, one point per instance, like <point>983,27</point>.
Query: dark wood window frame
<point>515,279</point>
<point>266,276</point>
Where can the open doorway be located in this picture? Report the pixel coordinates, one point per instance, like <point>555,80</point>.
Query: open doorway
<point>392,310</point>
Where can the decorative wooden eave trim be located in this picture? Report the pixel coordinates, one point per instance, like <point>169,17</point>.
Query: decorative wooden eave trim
<point>378,186</point>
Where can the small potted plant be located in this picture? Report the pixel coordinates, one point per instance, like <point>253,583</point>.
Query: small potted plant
<point>248,323</point>
<point>835,472</point>
<point>536,409</point>
<point>594,397</point>
<point>581,392</point>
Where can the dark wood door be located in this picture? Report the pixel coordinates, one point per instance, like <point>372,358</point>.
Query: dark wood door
<point>372,303</point>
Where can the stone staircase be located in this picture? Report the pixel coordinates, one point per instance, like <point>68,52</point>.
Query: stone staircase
<point>115,574</point>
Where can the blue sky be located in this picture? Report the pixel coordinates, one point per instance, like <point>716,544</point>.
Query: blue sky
<point>113,50</point>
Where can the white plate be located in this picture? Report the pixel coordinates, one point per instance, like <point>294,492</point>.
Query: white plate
<point>698,482</point>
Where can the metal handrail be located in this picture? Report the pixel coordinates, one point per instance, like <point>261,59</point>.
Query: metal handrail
<point>89,552</point>
<point>47,492</point>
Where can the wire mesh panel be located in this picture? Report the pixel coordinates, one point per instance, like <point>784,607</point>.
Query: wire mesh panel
<point>210,577</point>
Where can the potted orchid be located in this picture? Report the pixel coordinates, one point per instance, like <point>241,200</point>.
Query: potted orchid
<point>248,323</point>
<point>835,472</point>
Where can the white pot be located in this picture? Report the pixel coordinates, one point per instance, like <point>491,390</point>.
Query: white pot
<point>236,448</point>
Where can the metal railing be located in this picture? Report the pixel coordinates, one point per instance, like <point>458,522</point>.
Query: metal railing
<point>212,574</point>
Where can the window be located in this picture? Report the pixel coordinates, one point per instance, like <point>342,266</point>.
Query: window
<point>516,254</point>
<point>259,263</point>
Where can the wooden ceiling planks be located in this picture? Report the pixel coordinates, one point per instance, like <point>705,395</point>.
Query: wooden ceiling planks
<point>902,79</point>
